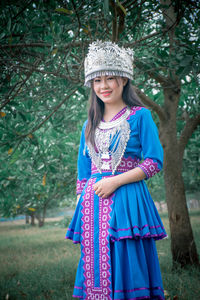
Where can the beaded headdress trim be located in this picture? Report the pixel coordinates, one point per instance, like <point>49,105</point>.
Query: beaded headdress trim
<point>107,58</point>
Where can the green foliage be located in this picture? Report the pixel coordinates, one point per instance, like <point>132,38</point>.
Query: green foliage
<point>156,187</point>
<point>191,163</point>
<point>43,102</point>
<point>41,171</point>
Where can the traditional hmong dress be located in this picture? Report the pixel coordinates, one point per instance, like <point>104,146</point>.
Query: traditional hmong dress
<point>117,235</point>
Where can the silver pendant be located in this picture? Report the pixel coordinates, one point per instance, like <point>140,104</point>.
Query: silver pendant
<point>105,155</point>
<point>105,166</point>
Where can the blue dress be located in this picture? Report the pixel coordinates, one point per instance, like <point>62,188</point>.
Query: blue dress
<point>117,235</point>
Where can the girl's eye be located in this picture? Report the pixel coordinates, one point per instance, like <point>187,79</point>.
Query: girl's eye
<point>97,80</point>
<point>110,78</point>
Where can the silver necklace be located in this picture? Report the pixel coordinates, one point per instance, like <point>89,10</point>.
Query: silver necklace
<point>110,140</point>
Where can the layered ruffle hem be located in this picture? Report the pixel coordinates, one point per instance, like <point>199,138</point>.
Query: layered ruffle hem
<point>117,235</point>
<point>133,215</point>
<point>135,272</point>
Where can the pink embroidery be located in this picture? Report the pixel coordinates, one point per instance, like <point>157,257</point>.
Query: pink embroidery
<point>138,289</point>
<point>149,167</point>
<point>119,114</point>
<point>124,229</point>
<point>80,185</point>
<point>126,164</point>
<point>133,111</point>
<point>137,235</point>
<point>103,291</point>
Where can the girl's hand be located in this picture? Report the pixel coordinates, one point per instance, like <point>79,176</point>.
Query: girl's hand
<point>77,199</point>
<point>105,187</point>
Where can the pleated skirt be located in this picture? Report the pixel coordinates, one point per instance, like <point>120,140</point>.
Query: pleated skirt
<point>117,235</point>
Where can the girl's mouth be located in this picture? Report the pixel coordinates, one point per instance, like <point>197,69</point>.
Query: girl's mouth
<point>106,94</point>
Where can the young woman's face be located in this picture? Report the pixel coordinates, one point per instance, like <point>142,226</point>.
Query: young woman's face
<point>109,88</point>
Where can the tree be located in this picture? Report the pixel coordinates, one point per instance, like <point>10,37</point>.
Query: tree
<point>39,142</point>
<point>182,241</point>
<point>47,55</point>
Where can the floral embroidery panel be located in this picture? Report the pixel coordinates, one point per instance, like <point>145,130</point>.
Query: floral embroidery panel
<point>96,287</point>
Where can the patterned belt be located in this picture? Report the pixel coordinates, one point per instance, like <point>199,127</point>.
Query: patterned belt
<point>126,164</point>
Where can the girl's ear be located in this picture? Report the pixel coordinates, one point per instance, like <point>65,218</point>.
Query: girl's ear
<point>125,80</point>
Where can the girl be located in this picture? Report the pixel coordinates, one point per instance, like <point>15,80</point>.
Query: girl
<point>115,220</point>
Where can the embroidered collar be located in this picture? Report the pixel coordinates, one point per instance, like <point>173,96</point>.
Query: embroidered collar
<point>121,112</point>
<point>115,122</point>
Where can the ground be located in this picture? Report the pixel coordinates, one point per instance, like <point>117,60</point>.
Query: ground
<point>38,263</point>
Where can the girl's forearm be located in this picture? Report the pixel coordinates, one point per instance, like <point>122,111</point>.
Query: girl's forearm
<point>106,186</point>
<point>133,175</point>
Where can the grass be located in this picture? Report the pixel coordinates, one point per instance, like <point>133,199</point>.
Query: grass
<point>180,284</point>
<point>38,263</point>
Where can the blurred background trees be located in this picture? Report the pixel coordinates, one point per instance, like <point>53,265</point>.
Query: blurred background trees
<point>44,104</point>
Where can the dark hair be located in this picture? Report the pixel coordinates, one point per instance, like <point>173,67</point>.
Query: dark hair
<point>96,109</point>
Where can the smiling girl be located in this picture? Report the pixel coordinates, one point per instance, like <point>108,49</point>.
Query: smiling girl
<point>115,220</point>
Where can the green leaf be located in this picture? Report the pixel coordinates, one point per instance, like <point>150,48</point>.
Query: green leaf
<point>106,8</point>
<point>9,25</point>
<point>186,60</point>
<point>15,157</point>
<point>55,50</point>
<point>2,35</point>
<point>121,7</point>
<point>64,10</point>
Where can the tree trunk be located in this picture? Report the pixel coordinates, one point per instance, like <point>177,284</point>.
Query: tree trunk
<point>182,242</point>
<point>44,213</point>
<point>38,216</point>
<point>27,219</point>
<point>32,219</point>
<point>41,218</point>
<point>40,222</point>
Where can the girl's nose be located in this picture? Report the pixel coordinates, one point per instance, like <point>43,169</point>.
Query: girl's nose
<point>104,82</point>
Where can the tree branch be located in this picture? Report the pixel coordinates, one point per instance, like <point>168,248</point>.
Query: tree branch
<point>121,25</point>
<point>22,10</point>
<point>153,74</point>
<point>114,21</point>
<point>40,45</point>
<point>26,45</point>
<point>171,21</point>
<point>53,112</point>
<point>56,74</point>
<point>144,38</point>
<point>9,99</point>
<point>21,137</point>
<point>150,103</point>
<point>77,15</point>
<point>189,128</point>
<point>28,75</point>
<point>169,14</point>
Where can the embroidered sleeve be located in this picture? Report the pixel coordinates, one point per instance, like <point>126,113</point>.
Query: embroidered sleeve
<point>150,144</point>
<point>83,163</point>
<point>80,185</point>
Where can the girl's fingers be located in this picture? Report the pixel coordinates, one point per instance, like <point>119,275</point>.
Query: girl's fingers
<point>95,187</point>
<point>97,190</point>
<point>100,193</point>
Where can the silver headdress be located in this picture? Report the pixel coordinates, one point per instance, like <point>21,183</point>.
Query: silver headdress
<point>107,58</point>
